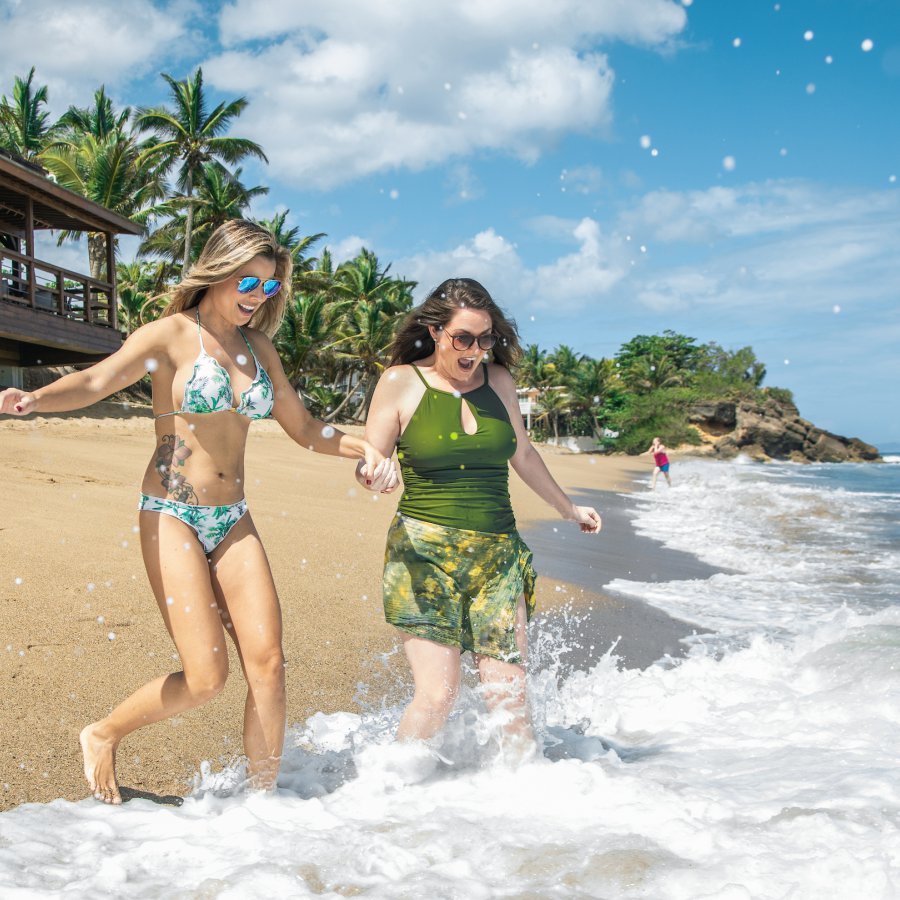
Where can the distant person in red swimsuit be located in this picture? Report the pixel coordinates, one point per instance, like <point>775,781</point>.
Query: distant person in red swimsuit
<point>660,462</point>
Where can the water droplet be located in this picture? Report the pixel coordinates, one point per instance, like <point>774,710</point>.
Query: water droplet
<point>808,35</point>
<point>645,141</point>
<point>240,359</point>
<point>101,619</point>
<point>810,88</point>
<point>18,581</point>
<point>729,163</point>
<point>112,635</point>
<point>328,432</point>
<point>151,365</point>
<point>90,586</point>
<point>736,42</point>
<point>867,45</point>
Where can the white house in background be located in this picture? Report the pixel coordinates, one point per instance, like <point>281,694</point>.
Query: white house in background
<point>528,405</point>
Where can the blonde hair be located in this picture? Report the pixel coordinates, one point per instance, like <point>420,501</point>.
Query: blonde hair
<point>229,247</point>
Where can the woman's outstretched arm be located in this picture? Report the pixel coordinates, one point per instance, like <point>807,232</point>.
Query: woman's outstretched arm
<point>138,355</point>
<point>528,463</point>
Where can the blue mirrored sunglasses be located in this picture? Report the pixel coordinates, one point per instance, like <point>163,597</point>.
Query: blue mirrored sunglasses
<point>250,283</point>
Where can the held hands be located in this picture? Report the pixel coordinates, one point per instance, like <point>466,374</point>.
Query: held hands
<point>587,518</point>
<point>376,472</point>
<point>14,402</point>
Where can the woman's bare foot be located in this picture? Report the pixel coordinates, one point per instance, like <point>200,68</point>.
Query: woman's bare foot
<point>100,763</point>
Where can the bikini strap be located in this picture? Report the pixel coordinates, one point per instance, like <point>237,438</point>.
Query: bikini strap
<point>244,336</point>
<point>421,376</point>
<point>485,367</point>
<point>199,331</point>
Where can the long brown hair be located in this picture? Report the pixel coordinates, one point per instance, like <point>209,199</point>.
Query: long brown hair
<point>413,340</point>
<point>229,247</point>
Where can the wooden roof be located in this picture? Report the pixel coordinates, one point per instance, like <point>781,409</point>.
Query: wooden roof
<point>54,206</point>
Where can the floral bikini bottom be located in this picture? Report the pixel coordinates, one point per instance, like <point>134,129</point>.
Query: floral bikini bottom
<point>211,524</point>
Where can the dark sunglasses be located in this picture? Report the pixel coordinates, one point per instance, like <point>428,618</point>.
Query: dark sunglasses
<point>270,286</point>
<point>463,341</point>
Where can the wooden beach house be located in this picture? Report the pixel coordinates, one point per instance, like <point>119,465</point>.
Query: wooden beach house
<point>50,315</point>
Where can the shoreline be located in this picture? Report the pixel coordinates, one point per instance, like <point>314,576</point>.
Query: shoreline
<point>82,629</point>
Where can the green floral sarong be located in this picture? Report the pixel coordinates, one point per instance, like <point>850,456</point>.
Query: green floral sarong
<point>457,587</point>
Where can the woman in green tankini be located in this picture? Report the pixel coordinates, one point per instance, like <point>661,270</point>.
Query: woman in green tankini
<point>457,575</point>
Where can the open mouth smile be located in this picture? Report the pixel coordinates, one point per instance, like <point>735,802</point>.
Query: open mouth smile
<point>246,310</point>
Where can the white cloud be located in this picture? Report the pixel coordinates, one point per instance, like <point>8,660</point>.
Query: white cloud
<point>831,249</point>
<point>347,248</point>
<point>78,45</point>
<point>345,89</point>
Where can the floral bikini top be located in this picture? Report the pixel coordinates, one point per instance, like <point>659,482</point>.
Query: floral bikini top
<point>209,390</point>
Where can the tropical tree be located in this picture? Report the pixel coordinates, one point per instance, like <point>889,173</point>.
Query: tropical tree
<point>553,403</point>
<point>306,276</point>
<point>681,350</point>
<point>220,197</point>
<point>652,372</point>
<point>374,302</point>
<point>139,300</point>
<point>589,387</point>
<point>24,128</point>
<point>100,120</point>
<point>190,138</point>
<point>310,323</point>
<point>112,171</point>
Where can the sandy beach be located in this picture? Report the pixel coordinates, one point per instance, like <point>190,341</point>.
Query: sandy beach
<point>80,628</point>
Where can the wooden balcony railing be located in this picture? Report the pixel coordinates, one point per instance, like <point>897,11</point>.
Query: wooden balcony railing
<point>43,286</point>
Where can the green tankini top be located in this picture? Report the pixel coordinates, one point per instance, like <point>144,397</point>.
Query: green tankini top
<point>452,478</point>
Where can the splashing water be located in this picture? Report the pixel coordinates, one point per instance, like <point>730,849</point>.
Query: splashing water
<point>761,766</point>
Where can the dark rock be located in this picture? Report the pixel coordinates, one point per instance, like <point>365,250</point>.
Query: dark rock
<point>772,428</point>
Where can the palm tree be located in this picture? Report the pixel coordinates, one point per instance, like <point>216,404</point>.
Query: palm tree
<point>23,121</point>
<point>652,372</point>
<point>220,196</point>
<point>137,292</point>
<point>554,401</point>
<point>566,361</point>
<point>112,171</point>
<point>309,324</point>
<point>590,386</point>
<point>190,138</point>
<point>374,304</point>
<point>306,276</point>
<point>100,120</point>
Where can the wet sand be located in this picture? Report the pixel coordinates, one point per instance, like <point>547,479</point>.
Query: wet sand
<point>80,629</point>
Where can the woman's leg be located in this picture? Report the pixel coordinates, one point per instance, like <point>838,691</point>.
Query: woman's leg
<point>179,576</point>
<point>655,474</point>
<point>245,591</point>
<point>436,669</point>
<point>504,686</point>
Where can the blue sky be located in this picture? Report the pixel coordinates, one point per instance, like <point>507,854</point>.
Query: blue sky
<point>606,167</point>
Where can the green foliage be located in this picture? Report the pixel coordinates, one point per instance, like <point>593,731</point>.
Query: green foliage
<point>641,417</point>
<point>24,128</point>
<point>782,395</point>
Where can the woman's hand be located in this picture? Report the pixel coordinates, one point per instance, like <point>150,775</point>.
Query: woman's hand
<point>14,402</point>
<point>376,472</point>
<point>587,518</point>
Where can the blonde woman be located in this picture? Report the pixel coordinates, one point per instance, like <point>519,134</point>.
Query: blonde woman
<point>214,370</point>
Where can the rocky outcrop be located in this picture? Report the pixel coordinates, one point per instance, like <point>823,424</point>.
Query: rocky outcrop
<point>772,429</point>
